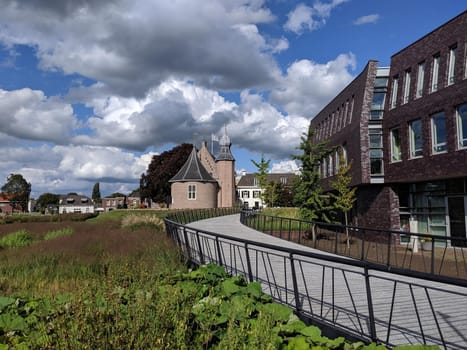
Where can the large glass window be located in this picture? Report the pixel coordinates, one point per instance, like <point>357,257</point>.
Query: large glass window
<point>420,79</point>
<point>396,154</point>
<point>192,192</point>
<point>395,86</point>
<point>378,100</point>
<point>435,75</point>
<point>376,162</point>
<point>462,125</point>
<point>407,86</point>
<point>416,138</point>
<point>452,64</point>
<point>376,151</point>
<point>438,132</point>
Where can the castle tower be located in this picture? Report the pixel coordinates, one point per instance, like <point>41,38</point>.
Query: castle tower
<point>225,164</point>
<point>193,186</point>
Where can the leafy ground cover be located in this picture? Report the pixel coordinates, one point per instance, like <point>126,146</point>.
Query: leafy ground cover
<point>120,284</point>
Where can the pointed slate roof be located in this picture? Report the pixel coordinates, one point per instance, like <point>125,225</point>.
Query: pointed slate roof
<point>192,170</point>
<point>225,144</point>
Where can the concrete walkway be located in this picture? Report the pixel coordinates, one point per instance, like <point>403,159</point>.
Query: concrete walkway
<point>406,310</point>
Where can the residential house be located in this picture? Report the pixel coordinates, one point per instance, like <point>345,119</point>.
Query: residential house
<point>249,190</point>
<point>74,203</point>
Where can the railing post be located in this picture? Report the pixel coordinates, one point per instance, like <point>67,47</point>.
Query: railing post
<point>280,227</point>
<point>433,257</point>
<point>248,263</point>
<point>371,314</point>
<point>219,255</point>
<point>295,284</point>
<point>201,255</point>
<point>389,249</point>
<point>362,257</point>
<point>187,244</point>
<point>299,231</point>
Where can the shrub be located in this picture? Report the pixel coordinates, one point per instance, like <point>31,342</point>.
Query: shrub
<point>138,221</point>
<point>58,233</point>
<point>16,239</point>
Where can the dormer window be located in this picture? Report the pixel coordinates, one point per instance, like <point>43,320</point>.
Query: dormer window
<point>70,200</point>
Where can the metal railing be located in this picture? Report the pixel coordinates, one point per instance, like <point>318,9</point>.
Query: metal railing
<point>405,251</point>
<point>353,297</point>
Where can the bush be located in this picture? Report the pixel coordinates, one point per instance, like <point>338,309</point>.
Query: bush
<point>138,221</point>
<point>16,239</point>
<point>58,233</point>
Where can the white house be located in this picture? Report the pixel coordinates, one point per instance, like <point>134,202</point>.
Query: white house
<point>249,191</point>
<point>73,203</point>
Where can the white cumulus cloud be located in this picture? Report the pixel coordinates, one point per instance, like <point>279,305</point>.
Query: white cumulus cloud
<point>367,19</point>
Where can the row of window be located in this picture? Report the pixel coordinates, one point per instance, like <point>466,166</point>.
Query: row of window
<point>329,166</point>
<point>246,194</point>
<point>438,135</point>
<point>434,83</point>
<point>336,121</point>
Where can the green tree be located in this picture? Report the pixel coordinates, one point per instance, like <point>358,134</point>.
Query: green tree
<point>18,191</point>
<point>312,204</point>
<point>154,183</point>
<point>47,199</point>
<point>262,176</point>
<point>96,192</point>
<point>271,193</point>
<point>344,197</point>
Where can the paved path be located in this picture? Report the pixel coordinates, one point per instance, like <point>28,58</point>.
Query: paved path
<point>406,310</point>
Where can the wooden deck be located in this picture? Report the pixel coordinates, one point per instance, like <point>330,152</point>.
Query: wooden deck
<point>406,310</point>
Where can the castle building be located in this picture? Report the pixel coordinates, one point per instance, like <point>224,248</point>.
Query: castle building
<point>205,181</point>
<point>405,130</point>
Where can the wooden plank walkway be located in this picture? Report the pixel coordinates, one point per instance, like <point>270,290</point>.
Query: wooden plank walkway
<point>406,310</point>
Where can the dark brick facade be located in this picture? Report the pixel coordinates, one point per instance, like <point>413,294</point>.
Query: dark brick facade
<point>430,166</point>
<point>377,204</point>
<point>355,134</point>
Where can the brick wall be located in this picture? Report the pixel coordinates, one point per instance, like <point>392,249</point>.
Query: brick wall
<point>447,98</point>
<point>206,195</point>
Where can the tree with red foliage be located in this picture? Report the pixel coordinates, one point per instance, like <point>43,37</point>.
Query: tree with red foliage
<point>155,183</point>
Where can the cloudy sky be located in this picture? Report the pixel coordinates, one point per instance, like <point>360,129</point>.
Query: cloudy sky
<point>91,89</point>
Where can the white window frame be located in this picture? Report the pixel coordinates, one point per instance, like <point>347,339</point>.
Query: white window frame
<point>337,160</point>
<point>414,152</point>
<point>437,145</point>
<point>406,86</point>
<point>461,138</point>
<point>330,166</point>
<point>256,194</point>
<point>344,154</point>
<point>435,73</point>
<point>452,65</point>
<point>420,79</point>
<point>396,155</point>
<point>395,86</point>
<point>245,194</point>
<point>191,194</point>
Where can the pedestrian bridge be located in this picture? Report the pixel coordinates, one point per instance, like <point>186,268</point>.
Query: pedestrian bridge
<point>345,295</point>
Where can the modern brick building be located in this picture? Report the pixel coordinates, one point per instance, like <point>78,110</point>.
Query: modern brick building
<point>352,121</point>
<point>425,130</point>
<point>405,130</point>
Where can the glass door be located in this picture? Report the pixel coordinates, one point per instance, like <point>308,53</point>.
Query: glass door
<point>457,219</point>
